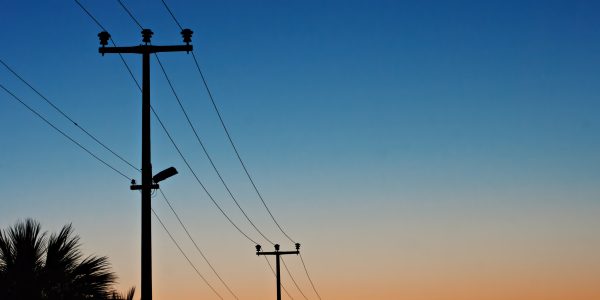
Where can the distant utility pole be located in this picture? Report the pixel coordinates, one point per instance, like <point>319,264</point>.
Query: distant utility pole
<point>278,253</point>
<point>148,182</point>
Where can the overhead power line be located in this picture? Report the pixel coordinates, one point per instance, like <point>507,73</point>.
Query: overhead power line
<point>134,19</point>
<point>66,116</point>
<point>198,138</point>
<point>223,125</point>
<point>130,14</point>
<point>206,151</point>
<point>293,280</point>
<point>196,245</point>
<point>185,160</point>
<point>237,153</point>
<point>94,156</point>
<point>89,14</point>
<point>172,15</point>
<point>309,279</point>
<point>118,172</point>
<point>63,133</point>
<point>186,257</point>
<point>170,137</point>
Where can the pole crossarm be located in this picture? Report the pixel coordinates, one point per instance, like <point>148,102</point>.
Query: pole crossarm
<point>278,253</point>
<point>141,49</point>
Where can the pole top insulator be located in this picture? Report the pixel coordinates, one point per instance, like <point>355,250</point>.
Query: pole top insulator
<point>147,35</point>
<point>104,36</point>
<point>258,248</point>
<point>187,35</point>
<point>276,247</point>
<point>297,246</point>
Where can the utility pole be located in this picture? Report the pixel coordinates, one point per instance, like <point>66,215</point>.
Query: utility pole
<point>148,182</point>
<point>278,253</point>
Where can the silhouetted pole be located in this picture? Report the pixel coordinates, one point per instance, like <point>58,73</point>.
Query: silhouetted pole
<point>278,253</point>
<point>147,182</point>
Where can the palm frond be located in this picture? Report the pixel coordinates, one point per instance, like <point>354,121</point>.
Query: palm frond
<point>34,266</point>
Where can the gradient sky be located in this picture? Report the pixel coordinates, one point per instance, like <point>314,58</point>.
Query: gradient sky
<point>418,150</point>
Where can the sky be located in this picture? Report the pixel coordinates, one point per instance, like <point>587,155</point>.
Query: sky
<point>422,150</point>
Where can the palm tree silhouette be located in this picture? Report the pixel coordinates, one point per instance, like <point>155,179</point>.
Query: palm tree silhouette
<point>36,266</point>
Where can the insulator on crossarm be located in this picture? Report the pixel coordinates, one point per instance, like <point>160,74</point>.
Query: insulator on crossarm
<point>104,37</point>
<point>187,36</point>
<point>147,35</point>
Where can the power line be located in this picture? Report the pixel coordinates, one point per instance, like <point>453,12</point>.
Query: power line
<point>244,165</point>
<point>236,150</point>
<point>272,270</point>
<point>90,15</point>
<point>310,280</point>
<point>66,116</point>
<point>228,134</point>
<point>120,173</point>
<point>130,14</point>
<point>130,72</point>
<point>187,164</point>
<point>195,245</point>
<point>172,140</point>
<point>200,182</point>
<point>206,151</point>
<point>186,257</point>
<point>63,133</point>
<point>292,277</point>
<point>199,140</point>
<point>205,83</point>
<point>111,40</point>
<point>96,157</point>
<point>172,15</point>
<point>125,176</point>
<point>181,154</point>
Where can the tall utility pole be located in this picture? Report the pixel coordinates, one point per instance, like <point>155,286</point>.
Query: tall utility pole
<point>148,183</point>
<point>278,253</point>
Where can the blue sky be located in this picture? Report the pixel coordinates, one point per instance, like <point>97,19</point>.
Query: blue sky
<point>368,117</point>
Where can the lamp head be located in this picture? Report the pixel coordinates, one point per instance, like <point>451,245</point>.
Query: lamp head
<point>164,174</point>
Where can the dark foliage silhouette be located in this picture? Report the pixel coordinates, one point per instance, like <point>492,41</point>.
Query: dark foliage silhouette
<point>128,296</point>
<point>35,265</point>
